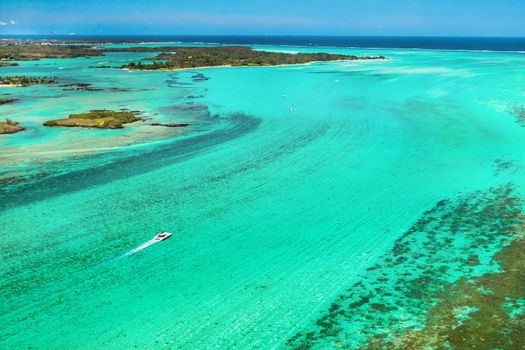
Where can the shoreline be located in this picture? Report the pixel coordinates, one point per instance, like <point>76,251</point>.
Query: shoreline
<point>254,66</point>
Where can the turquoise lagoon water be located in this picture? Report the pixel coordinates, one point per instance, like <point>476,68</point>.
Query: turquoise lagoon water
<point>296,191</point>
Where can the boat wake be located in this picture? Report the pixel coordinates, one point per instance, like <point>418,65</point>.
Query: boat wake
<point>158,238</point>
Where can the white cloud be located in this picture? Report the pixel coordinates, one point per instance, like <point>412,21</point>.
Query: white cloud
<point>12,22</point>
<point>3,23</point>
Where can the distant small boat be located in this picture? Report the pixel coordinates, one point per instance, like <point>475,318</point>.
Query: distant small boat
<point>158,237</point>
<point>284,96</point>
<point>293,109</point>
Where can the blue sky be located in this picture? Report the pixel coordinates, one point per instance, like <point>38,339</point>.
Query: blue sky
<point>272,17</point>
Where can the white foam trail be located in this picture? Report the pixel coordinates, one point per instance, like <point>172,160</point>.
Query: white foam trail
<point>142,246</point>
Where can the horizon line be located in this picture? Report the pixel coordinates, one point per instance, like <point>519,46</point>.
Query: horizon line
<point>275,35</point>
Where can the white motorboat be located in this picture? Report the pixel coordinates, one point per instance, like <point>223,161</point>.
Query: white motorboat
<point>162,236</point>
<point>158,237</point>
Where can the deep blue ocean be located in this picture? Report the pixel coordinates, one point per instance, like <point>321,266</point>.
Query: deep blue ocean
<point>405,42</point>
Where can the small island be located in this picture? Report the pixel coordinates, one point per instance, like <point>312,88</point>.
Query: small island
<point>172,58</point>
<point>8,64</point>
<point>4,101</point>
<point>98,118</point>
<point>10,127</point>
<point>25,81</point>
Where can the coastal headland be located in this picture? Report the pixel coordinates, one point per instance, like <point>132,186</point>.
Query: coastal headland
<point>168,57</point>
<point>177,57</point>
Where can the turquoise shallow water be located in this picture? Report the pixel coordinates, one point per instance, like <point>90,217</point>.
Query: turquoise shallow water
<point>292,195</point>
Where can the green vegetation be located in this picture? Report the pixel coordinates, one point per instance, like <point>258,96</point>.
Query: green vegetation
<point>8,64</point>
<point>24,51</point>
<point>172,57</point>
<point>4,101</point>
<point>26,81</point>
<point>10,127</point>
<point>194,57</point>
<point>99,118</point>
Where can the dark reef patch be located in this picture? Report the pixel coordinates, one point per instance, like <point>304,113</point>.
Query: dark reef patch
<point>24,190</point>
<point>431,267</point>
<point>80,87</point>
<point>191,97</point>
<point>199,77</point>
<point>485,312</point>
<point>501,166</point>
<point>189,110</point>
<point>174,81</point>
<point>91,88</point>
<point>171,125</point>
<point>519,114</point>
<point>185,107</point>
